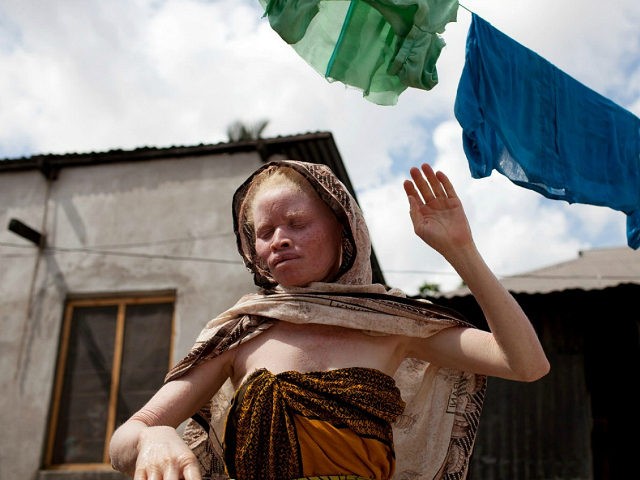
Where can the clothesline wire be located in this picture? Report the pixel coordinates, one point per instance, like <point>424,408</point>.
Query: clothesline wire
<point>461,5</point>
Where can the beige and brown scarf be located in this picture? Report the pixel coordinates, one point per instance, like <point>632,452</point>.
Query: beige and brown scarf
<point>435,434</point>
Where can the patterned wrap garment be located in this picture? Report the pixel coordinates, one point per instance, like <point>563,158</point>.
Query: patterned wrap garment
<point>293,424</point>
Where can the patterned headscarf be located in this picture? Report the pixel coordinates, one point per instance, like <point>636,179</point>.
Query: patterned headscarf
<point>355,268</point>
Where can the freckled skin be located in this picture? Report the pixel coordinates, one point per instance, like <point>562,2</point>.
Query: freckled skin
<point>297,236</point>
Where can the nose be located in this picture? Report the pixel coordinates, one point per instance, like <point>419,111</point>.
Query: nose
<point>280,240</point>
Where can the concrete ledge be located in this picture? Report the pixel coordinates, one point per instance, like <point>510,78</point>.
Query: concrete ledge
<point>80,475</point>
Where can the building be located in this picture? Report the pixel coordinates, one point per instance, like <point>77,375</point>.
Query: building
<point>110,264</point>
<point>580,421</point>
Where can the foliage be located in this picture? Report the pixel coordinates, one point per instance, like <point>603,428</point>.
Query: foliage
<point>239,131</point>
<point>428,288</point>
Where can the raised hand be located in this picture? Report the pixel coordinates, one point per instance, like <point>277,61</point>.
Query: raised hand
<point>436,211</point>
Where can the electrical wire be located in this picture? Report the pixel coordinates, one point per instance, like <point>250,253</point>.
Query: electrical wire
<point>153,256</point>
<point>99,251</point>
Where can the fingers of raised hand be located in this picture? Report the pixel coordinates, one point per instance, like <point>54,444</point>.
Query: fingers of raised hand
<point>410,189</point>
<point>446,184</point>
<point>429,183</point>
<point>421,184</point>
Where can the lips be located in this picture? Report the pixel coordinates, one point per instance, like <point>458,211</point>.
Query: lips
<point>278,259</point>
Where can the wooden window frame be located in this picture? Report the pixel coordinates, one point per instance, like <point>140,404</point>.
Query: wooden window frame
<point>121,301</point>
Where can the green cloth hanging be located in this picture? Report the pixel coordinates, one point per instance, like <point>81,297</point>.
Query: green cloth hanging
<point>378,46</point>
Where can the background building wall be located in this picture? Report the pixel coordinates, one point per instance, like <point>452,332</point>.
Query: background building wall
<point>153,214</point>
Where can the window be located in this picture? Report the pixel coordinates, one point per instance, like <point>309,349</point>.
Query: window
<point>114,354</point>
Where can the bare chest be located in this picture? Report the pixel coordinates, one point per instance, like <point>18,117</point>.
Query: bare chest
<point>313,347</point>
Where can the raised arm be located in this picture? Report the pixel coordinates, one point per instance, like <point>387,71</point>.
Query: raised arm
<point>147,446</point>
<point>511,349</point>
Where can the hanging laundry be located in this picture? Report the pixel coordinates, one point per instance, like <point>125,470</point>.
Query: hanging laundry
<point>381,47</point>
<point>544,130</point>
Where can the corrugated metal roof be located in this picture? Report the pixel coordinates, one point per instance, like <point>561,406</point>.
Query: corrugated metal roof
<point>316,147</point>
<point>591,270</point>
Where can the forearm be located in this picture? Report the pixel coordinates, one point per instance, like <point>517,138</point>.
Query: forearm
<point>512,331</point>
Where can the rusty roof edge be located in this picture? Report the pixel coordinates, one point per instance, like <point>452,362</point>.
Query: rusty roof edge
<point>58,161</point>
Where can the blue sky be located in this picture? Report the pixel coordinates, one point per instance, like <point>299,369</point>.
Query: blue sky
<point>88,75</point>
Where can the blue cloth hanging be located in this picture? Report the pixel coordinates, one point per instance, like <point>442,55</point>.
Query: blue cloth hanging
<point>544,130</point>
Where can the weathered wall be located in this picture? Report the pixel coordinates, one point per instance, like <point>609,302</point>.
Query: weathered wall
<point>177,208</point>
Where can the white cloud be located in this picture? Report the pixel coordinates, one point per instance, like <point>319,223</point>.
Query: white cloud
<point>81,76</point>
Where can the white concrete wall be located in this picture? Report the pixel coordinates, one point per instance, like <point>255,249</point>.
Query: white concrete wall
<point>106,206</point>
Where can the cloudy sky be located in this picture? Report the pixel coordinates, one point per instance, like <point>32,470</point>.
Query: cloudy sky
<point>89,75</point>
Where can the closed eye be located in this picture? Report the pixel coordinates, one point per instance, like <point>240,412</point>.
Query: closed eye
<point>264,233</point>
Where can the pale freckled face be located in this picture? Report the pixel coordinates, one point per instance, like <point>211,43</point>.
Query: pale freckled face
<point>298,237</point>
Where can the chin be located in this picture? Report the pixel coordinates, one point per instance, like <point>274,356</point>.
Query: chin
<point>294,284</point>
<point>290,278</point>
